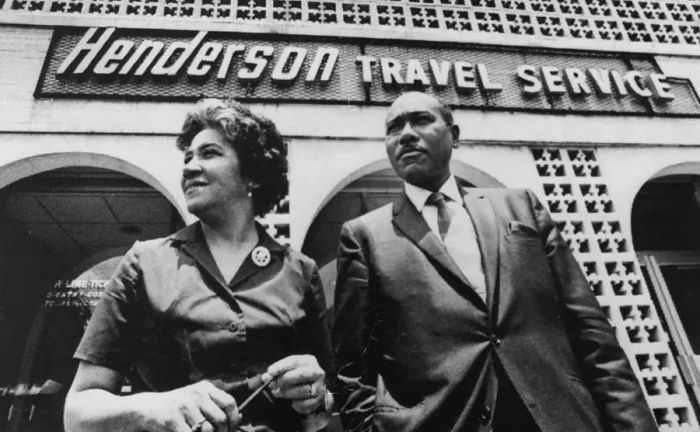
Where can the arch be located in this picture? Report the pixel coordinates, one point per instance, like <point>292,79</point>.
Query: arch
<point>27,167</point>
<point>98,264</point>
<point>664,209</point>
<point>359,173</point>
<point>99,258</point>
<point>692,168</point>
<point>474,175</point>
<point>666,236</point>
<point>676,169</point>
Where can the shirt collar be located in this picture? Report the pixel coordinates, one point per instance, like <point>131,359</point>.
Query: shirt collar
<point>418,196</point>
<point>193,234</point>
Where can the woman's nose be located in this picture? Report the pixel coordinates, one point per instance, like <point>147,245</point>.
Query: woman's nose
<point>192,167</point>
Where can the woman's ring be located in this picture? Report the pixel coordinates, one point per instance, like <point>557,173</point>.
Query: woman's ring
<point>312,389</point>
<point>197,427</point>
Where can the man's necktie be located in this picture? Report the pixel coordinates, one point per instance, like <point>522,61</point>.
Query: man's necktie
<point>437,199</point>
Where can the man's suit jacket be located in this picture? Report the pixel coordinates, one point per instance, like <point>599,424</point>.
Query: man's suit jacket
<point>415,345</point>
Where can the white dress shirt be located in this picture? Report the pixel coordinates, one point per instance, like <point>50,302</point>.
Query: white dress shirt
<point>460,241</point>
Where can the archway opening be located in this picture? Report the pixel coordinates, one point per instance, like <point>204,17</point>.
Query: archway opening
<point>62,233</point>
<point>363,195</point>
<point>666,234</point>
<point>666,214</point>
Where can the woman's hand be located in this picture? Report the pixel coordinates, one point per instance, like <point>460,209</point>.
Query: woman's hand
<point>92,404</point>
<point>199,407</point>
<point>299,379</point>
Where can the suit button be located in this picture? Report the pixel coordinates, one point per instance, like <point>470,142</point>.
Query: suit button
<point>485,415</point>
<point>495,341</point>
<point>232,327</point>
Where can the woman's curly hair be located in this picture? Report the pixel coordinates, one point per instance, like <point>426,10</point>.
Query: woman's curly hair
<point>261,151</point>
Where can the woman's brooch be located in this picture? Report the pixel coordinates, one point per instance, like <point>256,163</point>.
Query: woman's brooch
<point>260,256</point>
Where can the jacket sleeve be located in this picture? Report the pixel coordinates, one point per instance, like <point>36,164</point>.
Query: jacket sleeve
<point>315,337</point>
<point>607,372</point>
<point>352,335</point>
<point>315,340</point>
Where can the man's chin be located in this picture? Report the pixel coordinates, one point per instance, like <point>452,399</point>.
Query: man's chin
<point>414,175</point>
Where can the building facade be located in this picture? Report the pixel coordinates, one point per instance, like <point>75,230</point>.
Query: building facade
<point>592,104</point>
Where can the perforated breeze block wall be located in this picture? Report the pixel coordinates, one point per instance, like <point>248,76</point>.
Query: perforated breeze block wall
<point>276,223</point>
<point>575,192</point>
<point>675,22</point>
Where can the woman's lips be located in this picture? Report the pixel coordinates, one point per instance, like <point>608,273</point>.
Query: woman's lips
<point>194,185</point>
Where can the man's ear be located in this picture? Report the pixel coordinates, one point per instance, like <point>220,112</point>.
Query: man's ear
<point>454,130</point>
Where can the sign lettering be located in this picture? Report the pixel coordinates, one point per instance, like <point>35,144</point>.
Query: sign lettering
<point>160,65</point>
<point>99,53</point>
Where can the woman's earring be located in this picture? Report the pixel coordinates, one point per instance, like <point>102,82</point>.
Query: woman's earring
<point>250,190</point>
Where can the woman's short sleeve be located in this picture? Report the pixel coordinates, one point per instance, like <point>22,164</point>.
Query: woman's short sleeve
<point>109,337</point>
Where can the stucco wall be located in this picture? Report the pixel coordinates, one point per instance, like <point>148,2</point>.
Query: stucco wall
<point>329,145</point>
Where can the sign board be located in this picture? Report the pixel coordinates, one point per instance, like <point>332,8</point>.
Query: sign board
<point>159,65</point>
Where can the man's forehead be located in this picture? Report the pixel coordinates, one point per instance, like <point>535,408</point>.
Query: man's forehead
<point>412,103</point>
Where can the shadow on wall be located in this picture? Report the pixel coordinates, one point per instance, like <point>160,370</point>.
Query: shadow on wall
<point>44,308</point>
<point>27,271</point>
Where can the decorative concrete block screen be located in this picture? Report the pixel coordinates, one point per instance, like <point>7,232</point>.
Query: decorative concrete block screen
<point>575,192</point>
<point>652,21</point>
<point>276,223</point>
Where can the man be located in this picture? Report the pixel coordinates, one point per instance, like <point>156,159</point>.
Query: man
<point>465,311</point>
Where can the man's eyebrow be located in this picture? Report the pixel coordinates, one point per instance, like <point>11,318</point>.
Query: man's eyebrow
<point>420,112</point>
<point>409,115</point>
<point>394,119</point>
<point>414,113</point>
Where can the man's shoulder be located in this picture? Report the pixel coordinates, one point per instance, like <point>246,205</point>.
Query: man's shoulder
<point>507,196</point>
<point>375,218</point>
<point>496,192</point>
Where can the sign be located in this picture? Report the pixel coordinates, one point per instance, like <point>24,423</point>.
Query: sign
<point>75,293</point>
<point>135,64</point>
<point>80,295</point>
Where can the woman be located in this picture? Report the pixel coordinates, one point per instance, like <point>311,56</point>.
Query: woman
<point>200,319</point>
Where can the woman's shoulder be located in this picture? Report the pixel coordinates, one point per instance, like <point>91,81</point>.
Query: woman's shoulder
<point>296,262</point>
<point>299,257</point>
<point>291,256</point>
<point>160,246</point>
<point>154,245</point>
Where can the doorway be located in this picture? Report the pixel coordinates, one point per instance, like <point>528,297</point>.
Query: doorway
<point>62,233</point>
<point>666,233</point>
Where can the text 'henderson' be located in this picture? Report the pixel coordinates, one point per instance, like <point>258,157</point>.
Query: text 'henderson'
<point>94,54</point>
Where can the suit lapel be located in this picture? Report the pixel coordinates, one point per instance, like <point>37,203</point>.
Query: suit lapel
<point>411,223</point>
<point>486,227</point>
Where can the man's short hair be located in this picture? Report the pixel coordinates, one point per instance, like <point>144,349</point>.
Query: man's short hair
<point>445,112</point>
